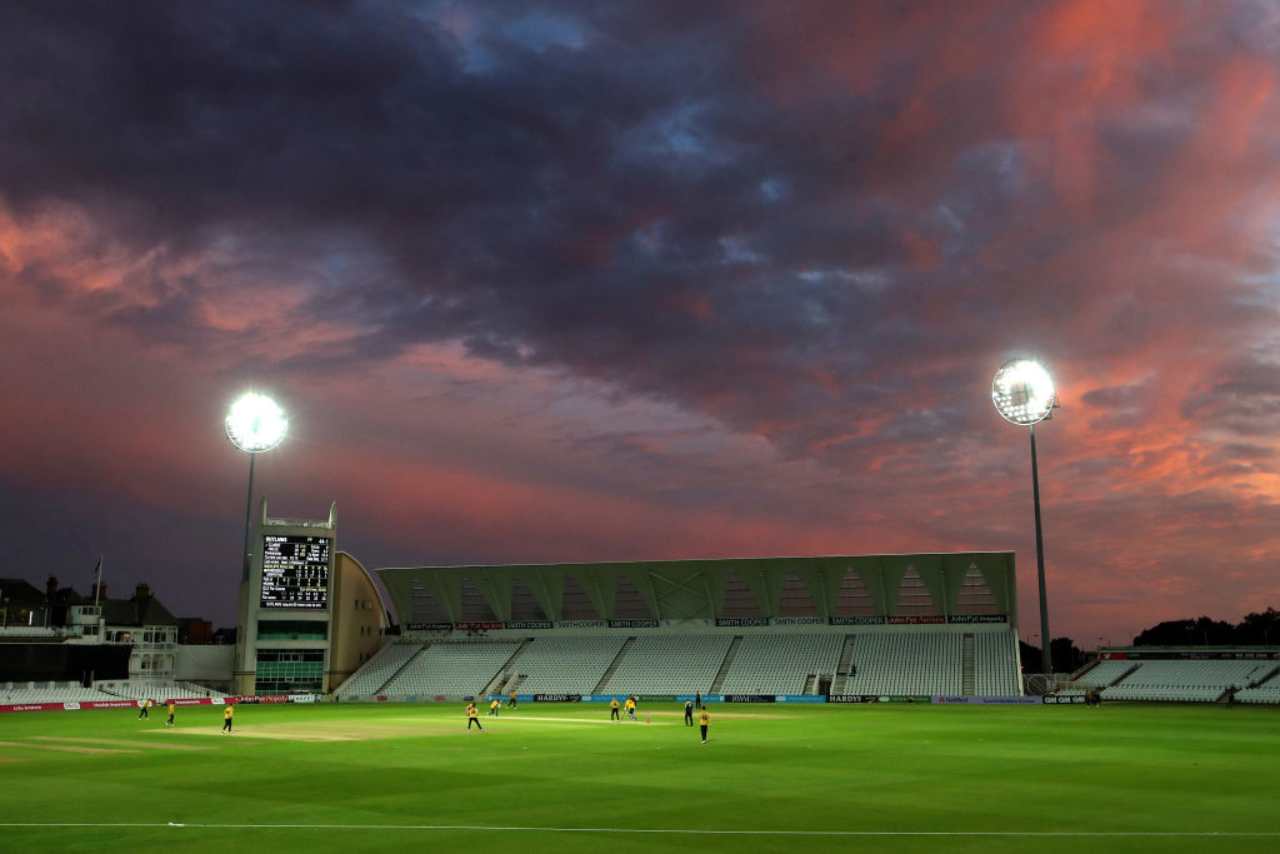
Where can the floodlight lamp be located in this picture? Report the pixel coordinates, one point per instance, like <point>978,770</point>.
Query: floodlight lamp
<point>1023,392</point>
<point>256,423</point>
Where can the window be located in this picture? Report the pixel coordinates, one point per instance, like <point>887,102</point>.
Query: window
<point>293,630</point>
<point>290,670</point>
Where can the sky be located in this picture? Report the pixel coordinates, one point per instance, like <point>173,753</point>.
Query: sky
<point>544,281</point>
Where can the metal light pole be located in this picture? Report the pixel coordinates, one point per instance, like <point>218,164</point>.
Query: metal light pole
<point>1023,393</point>
<point>255,424</point>
<point>1047,660</point>
<point>248,513</point>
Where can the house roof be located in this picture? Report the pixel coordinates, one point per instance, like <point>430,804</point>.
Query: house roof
<point>19,591</point>
<point>148,611</point>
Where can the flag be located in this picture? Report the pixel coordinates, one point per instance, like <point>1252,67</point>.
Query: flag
<point>97,567</point>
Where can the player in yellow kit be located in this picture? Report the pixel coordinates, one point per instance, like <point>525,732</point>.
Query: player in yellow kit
<point>704,721</point>
<point>473,717</point>
<point>614,705</point>
<point>228,712</point>
<point>631,708</point>
<point>494,705</point>
<point>171,707</point>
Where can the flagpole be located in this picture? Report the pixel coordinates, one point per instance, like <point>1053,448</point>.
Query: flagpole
<point>97,588</point>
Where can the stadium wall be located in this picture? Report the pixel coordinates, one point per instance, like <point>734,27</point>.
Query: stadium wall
<point>358,621</point>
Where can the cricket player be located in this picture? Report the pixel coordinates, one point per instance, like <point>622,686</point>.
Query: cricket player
<point>144,709</point>
<point>688,712</point>
<point>614,705</point>
<point>704,721</point>
<point>473,717</point>
<point>494,705</point>
<point>631,707</point>
<point>228,712</point>
<point>171,707</point>
<point>512,703</point>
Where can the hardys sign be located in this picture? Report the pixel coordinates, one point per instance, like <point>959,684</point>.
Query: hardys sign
<point>878,698</point>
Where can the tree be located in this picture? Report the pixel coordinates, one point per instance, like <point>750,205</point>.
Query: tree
<point>1030,656</point>
<point>1258,627</point>
<point>1067,657</point>
<point>1188,633</point>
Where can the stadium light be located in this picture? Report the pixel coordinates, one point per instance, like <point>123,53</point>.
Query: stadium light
<point>1024,394</point>
<point>254,424</point>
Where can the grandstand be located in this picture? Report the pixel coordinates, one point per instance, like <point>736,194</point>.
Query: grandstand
<point>1140,675</point>
<point>1103,674</point>
<point>49,692</point>
<point>920,624</point>
<point>682,662</point>
<point>669,664</point>
<point>914,663</point>
<point>571,665</point>
<point>451,669</point>
<point>781,664</point>
<point>74,692</point>
<point>377,671</point>
<point>141,689</point>
<point>1267,694</point>
<point>996,665</point>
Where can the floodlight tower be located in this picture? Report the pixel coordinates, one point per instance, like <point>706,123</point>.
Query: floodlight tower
<point>1024,394</point>
<point>255,424</point>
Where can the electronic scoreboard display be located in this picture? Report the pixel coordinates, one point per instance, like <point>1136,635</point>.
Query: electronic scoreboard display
<point>295,572</point>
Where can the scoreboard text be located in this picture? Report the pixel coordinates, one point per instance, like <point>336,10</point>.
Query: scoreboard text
<point>295,572</point>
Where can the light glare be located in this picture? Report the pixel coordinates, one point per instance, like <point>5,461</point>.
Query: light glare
<point>256,423</point>
<point>1023,392</point>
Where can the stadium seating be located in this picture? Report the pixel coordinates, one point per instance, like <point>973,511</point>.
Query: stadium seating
<point>135,689</point>
<point>907,663</point>
<point>571,665</point>
<point>451,669</point>
<point>995,663</point>
<point>1186,681</point>
<point>1267,694</point>
<point>1103,674</point>
<point>780,664</point>
<point>74,692</point>
<point>378,670</point>
<point>669,664</point>
<point>49,692</point>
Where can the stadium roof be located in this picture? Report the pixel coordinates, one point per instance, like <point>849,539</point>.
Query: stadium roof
<point>887,585</point>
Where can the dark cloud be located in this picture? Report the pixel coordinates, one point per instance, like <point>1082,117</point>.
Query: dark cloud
<point>821,227</point>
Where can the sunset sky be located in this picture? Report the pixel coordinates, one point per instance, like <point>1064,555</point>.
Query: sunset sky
<point>589,281</point>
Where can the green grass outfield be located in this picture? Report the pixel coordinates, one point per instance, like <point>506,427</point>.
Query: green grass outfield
<point>353,778</point>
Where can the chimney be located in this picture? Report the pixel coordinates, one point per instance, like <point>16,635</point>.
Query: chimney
<point>141,599</point>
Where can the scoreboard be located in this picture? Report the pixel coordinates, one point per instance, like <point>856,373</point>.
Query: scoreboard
<point>295,572</point>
